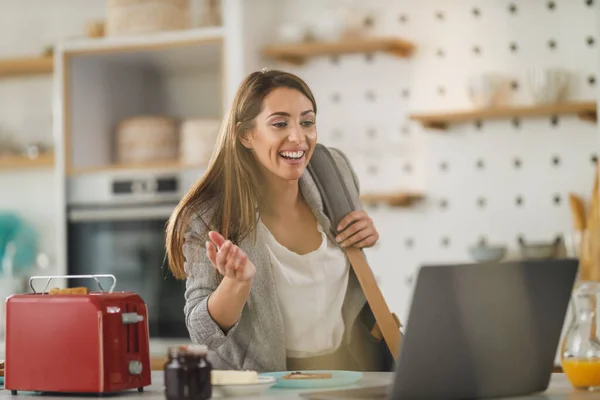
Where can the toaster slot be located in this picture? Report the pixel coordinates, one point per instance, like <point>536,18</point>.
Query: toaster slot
<point>131,320</point>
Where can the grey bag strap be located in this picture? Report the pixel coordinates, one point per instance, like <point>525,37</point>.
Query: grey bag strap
<point>338,202</point>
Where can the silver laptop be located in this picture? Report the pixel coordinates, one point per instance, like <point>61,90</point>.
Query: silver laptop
<point>478,331</point>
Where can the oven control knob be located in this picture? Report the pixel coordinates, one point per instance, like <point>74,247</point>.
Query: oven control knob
<point>135,367</point>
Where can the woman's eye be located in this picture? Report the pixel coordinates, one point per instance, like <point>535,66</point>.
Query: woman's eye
<point>280,124</point>
<point>307,124</point>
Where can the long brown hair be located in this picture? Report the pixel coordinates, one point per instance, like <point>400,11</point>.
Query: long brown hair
<point>230,186</point>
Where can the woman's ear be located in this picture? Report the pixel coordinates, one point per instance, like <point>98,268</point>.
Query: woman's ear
<point>245,137</point>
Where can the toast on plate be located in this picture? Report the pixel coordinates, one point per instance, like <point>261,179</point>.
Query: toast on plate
<point>304,375</point>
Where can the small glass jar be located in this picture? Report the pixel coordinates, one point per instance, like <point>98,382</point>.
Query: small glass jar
<point>199,369</point>
<point>175,376</point>
<point>187,373</point>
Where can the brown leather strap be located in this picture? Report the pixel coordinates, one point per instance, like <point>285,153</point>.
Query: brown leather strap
<point>383,317</point>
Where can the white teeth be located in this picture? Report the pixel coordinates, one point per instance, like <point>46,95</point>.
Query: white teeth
<point>292,154</point>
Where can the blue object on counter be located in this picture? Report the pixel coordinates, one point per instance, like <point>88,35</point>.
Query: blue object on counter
<point>14,230</point>
<point>338,379</point>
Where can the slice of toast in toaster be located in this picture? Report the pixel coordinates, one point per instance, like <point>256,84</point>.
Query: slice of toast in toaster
<point>75,290</point>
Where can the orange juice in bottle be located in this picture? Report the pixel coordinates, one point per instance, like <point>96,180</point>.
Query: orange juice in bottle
<point>580,350</point>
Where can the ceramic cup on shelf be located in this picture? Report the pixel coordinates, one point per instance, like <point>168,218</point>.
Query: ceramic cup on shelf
<point>547,85</point>
<point>485,89</point>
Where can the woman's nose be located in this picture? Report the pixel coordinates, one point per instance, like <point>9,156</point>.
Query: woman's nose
<point>296,135</point>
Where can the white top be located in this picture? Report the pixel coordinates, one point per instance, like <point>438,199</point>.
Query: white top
<point>311,290</point>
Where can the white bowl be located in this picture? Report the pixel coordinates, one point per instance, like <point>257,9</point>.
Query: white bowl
<point>547,85</point>
<point>246,389</point>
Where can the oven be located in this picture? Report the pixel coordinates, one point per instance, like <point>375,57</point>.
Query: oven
<point>116,225</point>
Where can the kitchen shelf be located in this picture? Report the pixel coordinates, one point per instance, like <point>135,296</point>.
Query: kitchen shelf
<point>298,53</point>
<point>585,110</point>
<point>391,199</point>
<point>163,166</point>
<point>23,162</point>
<point>152,41</point>
<point>26,66</point>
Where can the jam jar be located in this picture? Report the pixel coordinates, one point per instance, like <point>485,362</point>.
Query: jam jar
<point>187,373</point>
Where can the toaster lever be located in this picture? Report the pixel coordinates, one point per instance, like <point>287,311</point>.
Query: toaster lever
<point>131,318</point>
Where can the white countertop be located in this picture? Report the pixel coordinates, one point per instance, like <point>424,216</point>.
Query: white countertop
<point>559,389</point>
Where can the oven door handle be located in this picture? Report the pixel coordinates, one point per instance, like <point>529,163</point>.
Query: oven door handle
<point>121,214</point>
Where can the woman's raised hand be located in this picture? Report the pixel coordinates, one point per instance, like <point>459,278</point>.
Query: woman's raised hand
<point>229,259</point>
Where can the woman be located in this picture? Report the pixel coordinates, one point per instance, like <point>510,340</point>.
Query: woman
<point>268,286</point>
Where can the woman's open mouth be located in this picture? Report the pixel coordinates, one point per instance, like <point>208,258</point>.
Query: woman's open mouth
<point>292,155</point>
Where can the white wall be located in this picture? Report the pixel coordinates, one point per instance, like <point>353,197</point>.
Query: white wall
<point>356,95</point>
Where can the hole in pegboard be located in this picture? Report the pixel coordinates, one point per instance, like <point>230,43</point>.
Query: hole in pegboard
<point>516,122</point>
<point>445,242</point>
<point>480,164</point>
<point>405,129</point>
<point>403,18</point>
<point>335,60</point>
<point>589,3</point>
<point>476,12</point>
<point>441,90</point>
<point>519,201</point>
<point>409,243</point>
<point>554,120</point>
<point>369,57</point>
<point>551,5</point>
<point>369,21</point>
<point>555,161</point>
<point>514,85</point>
<point>439,15</point>
<point>444,204</point>
<point>372,133</point>
<point>514,47</point>
<point>517,163</point>
<point>405,93</point>
<point>440,53</point>
<point>557,199</point>
<point>590,41</point>
<point>591,80</point>
<point>482,241</point>
<point>336,97</point>
<point>407,168</point>
<point>594,158</point>
<point>552,44</point>
<point>478,124</point>
<point>370,95</point>
<point>476,50</point>
<point>444,166</point>
<point>481,202</point>
<point>372,169</point>
<point>512,8</point>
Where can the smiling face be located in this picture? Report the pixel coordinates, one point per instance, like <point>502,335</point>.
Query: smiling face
<point>284,134</point>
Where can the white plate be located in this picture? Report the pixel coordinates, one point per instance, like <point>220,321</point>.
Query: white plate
<point>246,389</point>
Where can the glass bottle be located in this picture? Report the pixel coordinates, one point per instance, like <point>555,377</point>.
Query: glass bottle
<point>199,370</point>
<point>175,376</point>
<point>580,349</point>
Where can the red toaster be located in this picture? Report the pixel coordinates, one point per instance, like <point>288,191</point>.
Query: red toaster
<point>76,343</point>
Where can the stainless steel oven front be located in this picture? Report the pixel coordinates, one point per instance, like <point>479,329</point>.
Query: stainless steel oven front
<point>116,225</point>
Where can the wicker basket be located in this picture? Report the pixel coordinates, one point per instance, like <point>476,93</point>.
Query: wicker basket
<point>197,140</point>
<point>133,17</point>
<point>147,139</point>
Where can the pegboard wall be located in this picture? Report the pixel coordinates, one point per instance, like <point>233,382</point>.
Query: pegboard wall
<point>486,180</point>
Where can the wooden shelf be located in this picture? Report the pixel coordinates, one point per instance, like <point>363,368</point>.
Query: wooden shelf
<point>391,199</point>
<point>584,110</point>
<point>297,53</point>
<point>170,166</point>
<point>26,66</point>
<point>22,162</point>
